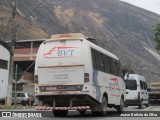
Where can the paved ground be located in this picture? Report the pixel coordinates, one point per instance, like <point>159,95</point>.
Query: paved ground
<point>112,115</point>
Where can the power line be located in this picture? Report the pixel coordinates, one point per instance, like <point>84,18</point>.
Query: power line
<point>4,10</point>
<point>3,2</point>
<point>25,18</point>
<point>33,22</point>
<point>31,11</point>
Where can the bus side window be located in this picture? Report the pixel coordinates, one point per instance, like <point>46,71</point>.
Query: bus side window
<point>98,61</point>
<point>106,64</point>
<point>111,65</point>
<point>101,63</point>
<point>94,59</point>
<point>117,68</point>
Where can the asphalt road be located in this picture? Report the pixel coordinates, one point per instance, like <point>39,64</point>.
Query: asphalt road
<point>112,115</point>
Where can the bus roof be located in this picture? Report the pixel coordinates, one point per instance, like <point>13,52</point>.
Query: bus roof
<point>5,45</point>
<point>96,47</point>
<point>68,36</point>
<point>80,36</point>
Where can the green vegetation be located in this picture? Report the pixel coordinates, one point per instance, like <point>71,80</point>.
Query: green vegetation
<point>127,69</point>
<point>157,35</point>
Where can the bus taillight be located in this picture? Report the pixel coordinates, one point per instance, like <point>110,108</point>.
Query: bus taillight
<point>36,79</point>
<point>86,77</point>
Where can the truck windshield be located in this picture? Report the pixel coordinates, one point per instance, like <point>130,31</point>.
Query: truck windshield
<point>131,84</point>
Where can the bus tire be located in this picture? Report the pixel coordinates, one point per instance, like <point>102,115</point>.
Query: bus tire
<point>82,112</point>
<point>60,113</point>
<point>101,109</point>
<point>120,108</point>
<point>104,106</point>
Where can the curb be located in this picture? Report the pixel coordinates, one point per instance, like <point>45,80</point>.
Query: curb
<point>152,108</point>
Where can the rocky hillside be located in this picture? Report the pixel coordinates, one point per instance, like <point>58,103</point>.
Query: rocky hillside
<point>118,27</point>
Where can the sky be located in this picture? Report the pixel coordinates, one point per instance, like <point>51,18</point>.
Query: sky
<point>151,5</point>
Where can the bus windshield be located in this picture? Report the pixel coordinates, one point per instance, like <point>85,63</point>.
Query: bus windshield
<point>131,84</point>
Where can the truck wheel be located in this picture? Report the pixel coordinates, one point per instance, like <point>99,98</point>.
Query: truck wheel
<point>147,105</point>
<point>61,113</point>
<point>120,108</point>
<point>141,104</point>
<point>82,112</point>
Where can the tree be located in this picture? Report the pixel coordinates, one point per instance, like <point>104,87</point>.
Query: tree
<point>127,69</point>
<point>157,35</point>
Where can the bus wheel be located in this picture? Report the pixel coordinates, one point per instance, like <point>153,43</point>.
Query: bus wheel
<point>82,112</point>
<point>120,108</point>
<point>100,110</point>
<point>61,113</point>
<point>104,106</point>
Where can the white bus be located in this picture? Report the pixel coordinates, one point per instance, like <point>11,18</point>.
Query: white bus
<point>73,73</point>
<point>4,71</point>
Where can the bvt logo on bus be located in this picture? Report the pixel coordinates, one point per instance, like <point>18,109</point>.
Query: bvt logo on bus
<point>60,52</point>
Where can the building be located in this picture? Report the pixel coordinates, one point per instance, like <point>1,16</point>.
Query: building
<point>24,57</point>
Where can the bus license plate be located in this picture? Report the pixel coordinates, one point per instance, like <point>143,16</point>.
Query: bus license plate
<point>51,88</point>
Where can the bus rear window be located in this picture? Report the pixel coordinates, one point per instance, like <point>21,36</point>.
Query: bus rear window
<point>131,84</point>
<point>61,53</point>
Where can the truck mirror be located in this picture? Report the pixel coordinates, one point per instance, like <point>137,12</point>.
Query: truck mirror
<point>127,74</point>
<point>148,89</point>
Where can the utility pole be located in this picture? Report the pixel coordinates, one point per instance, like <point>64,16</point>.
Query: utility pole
<point>15,89</point>
<point>13,40</point>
